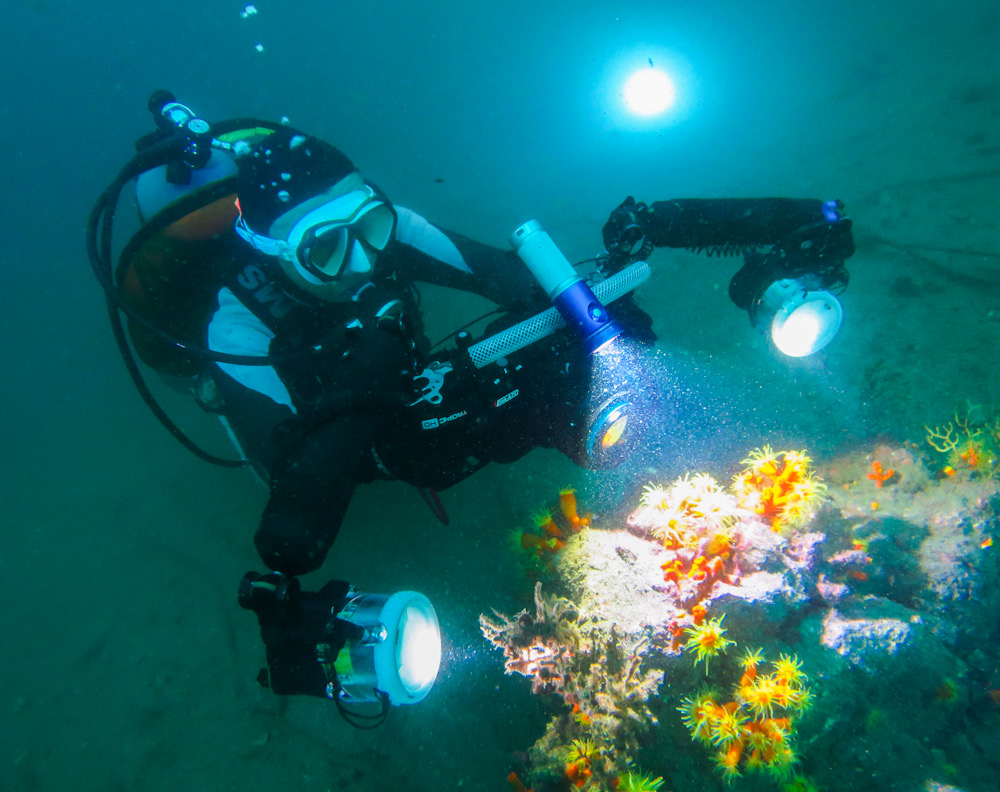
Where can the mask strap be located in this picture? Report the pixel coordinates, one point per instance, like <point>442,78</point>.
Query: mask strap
<point>265,244</point>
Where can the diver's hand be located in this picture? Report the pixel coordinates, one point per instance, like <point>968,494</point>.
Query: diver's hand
<point>625,233</point>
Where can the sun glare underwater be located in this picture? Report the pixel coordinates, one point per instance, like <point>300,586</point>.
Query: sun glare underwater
<point>645,88</point>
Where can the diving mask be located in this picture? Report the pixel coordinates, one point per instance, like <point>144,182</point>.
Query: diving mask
<point>320,242</point>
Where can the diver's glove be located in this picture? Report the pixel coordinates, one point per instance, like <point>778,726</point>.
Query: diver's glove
<point>626,234</point>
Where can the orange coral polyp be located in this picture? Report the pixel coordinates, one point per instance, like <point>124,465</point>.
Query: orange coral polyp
<point>728,760</point>
<point>530,541</point>
<point>777,486</point>
<point>544,521</point>
<point>568,506</point>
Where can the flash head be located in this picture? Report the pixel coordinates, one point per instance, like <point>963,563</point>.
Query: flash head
<point>342,644</point>
<point>791,299</point>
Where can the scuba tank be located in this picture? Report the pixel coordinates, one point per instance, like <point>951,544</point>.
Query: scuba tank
<point>169,272</point>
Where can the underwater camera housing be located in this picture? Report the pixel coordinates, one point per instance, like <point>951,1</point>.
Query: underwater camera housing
<point>338,643</point>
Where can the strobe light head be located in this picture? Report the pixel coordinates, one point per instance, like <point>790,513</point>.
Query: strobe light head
<point>345,645</point>
<point>801,321</point>
<point>398,653</point>
<point>796,308</point>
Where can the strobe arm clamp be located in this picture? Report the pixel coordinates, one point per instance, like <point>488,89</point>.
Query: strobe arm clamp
<point>626,233</point>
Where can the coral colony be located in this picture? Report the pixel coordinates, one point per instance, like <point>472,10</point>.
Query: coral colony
<point>762,624</point>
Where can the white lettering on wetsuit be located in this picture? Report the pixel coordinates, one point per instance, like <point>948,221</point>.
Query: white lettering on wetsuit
<point>254,280</point>
<point>434,423</point>
<point>504,399</point>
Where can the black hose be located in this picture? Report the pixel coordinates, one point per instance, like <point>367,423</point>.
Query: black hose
<point>99,251</point>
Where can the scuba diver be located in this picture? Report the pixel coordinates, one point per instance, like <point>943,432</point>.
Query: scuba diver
<point>282,287</point>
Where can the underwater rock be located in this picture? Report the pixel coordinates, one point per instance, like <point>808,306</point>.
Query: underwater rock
<point>759,604</point>
<point>613,578</point>
<point>831,593</point>
<point>760,547</point>
<point>930,545</point>
<point>870,633</point>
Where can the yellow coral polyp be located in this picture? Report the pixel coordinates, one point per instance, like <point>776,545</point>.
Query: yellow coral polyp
<point>751,659</point>
<point>654,497</point>
<point>582,751</point>
<point>728,727</point>
<point>707,640</point>
<point>693,506</point>
<point>788,669</point>
<point>780,764</point>
<point>778,486</point>
<point>698,714</point>
<point>761,695</point>
<point>805,700</point>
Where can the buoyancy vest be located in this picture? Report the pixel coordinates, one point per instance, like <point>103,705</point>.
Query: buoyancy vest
<point>372,345</point>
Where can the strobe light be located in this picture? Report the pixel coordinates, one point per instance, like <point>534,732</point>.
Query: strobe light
<point>342,644</point>
<point>801,321</point>
<point>398,652</point>
<point>793,306</point>
<point>788,290</point>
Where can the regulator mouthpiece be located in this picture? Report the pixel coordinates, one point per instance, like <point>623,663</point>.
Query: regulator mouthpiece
<point>568,292</point>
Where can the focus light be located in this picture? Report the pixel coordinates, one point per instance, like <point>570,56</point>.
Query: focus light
<point>569,293</point>
<point>649,92</point>
<point>620,407</point>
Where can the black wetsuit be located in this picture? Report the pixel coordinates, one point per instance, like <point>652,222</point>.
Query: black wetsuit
<point>348,410</point>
